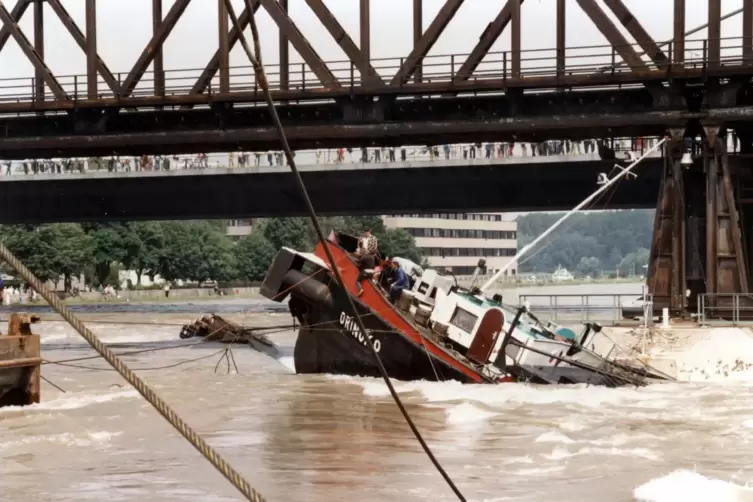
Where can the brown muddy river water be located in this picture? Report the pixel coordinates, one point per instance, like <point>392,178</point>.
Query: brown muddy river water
<point>334,438</point>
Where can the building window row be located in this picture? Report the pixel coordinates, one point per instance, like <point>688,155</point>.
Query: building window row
<point>456,216</point>
<point>479,252</point>
<point>462,234</point>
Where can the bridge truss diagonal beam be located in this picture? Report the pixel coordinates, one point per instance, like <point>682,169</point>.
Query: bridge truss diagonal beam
<point>636,30</point>
<point>485,42</point>
<point>31,53</point>
<point>304,48</point>
<point>150,51</point>
<point>612,34</point>
<point>346,43</point>
<point>211,69</point>
<point>81,40</point>
<point>16,14</point>
<point>426,42</point>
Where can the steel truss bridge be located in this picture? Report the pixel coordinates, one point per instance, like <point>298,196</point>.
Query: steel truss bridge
<point>682,87</point>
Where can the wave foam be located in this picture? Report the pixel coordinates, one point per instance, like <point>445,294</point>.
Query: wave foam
<point>689,486</point>
<point>466,413</point>
<point>72,401</point>
<point>66,438</point>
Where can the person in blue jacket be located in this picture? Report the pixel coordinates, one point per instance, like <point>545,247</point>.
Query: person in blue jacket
<point>400,283</point>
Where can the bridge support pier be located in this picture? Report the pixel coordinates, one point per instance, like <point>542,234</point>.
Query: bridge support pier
<point>699,242</point>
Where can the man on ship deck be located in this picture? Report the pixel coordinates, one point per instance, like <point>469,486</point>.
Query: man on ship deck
<point>400,283</point>
<point>366,258</point>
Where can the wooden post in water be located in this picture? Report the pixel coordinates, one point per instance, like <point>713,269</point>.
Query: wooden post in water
<point>20,362</point>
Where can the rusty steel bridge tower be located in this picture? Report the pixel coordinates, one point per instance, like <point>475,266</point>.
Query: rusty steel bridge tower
<point>693,90</point>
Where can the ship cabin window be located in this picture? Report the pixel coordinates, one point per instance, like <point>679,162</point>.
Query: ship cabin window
<point>423,288</point>
<point>463,319</point>
<point>433,294</point>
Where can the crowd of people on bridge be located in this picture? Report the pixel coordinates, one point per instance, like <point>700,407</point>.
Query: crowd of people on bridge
<point>488,150</point>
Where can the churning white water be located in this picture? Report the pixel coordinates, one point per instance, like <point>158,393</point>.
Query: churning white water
<point>335,438</point>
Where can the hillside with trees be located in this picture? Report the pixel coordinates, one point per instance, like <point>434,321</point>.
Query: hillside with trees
<point>191,251</point>
<point>591,244</point>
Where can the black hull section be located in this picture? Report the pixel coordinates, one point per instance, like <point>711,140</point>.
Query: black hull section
<point>330,341</point>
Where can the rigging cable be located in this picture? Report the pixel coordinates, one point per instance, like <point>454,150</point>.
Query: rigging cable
<point>261,78</point>
<point>155,400</point>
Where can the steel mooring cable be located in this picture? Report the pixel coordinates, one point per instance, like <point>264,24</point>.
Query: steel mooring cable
<point>161,406</point>
<point>261,78</point>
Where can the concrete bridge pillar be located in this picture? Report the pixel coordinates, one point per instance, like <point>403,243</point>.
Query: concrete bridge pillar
<point>700,238</point>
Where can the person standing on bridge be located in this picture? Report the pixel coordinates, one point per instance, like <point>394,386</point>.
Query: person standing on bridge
<point>366,254</point>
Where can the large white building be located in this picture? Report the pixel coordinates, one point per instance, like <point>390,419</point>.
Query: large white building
<point>457,241</point>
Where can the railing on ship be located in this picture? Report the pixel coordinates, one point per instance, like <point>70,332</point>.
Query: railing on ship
<point>607,309</point>
<point>725,309</point>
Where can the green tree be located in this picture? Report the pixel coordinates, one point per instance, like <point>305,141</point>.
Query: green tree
<point>254,253</point>
<point>355,225</point>
<point>108,247</point>
<point>34,246</point>
<point>74,251</point>
<point>398,242</point>
<point>589,267</point>
<point>151,240</point>
<point>179,256</point>
<point>216,256</point>
<point>287,232</point>
<point>606,235</point>
<point>633,263</point>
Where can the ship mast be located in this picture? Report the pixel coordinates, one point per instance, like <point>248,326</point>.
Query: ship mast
<point>577,208</point>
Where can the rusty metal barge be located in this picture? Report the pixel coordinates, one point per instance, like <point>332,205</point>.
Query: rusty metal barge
<point>20,362</point>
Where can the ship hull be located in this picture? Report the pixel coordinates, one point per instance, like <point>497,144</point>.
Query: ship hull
<point>330,339</point>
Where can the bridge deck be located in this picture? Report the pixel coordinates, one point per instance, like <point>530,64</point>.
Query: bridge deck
<point>540,183</point>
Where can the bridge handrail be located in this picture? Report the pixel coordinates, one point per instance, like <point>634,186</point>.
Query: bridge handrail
<point>589,307</point>
<point>581,61</point>
<point>725,308</point>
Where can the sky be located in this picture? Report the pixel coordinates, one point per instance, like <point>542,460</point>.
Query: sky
<point>124,29</point>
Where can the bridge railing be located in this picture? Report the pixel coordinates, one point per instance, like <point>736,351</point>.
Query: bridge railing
<point>725,309</point>
<point>580,308</point>
<point>504,153</point>
<point>539,66</point>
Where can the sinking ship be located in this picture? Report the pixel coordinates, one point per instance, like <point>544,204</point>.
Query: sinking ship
<point>435,331</point>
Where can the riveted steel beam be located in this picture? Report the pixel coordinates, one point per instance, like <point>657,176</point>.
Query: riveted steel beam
<point>301,45</point>
<point>31,53</point>
<point>92,83</point>
<point>487,39</point>
<point>612,34</point>
<point>356,56</point>
<point>150,51</point>
<point>561,30</point>
<point>80,39</point>
<point>202,83</point>
<point>679,32</point>
<point>365,32</point>
<point>425,43</point>
<point>637,31</point>
<point>715,34</point>
<point>284,52</point>
<point>39,47</point>
<point>16,14</point>
<point>222,24</point>
<point>159,60</point>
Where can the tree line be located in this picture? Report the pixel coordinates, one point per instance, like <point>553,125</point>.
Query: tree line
<point>589,244</point>
<point>185,250</point>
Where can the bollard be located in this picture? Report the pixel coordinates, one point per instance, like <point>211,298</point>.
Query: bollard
<point>665,318</point>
